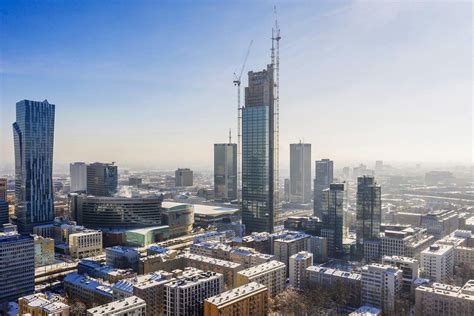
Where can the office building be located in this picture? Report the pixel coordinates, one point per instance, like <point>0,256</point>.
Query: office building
<point>440,223</point>
<point>410,272</point>
<point>130,306</point>
<point>246,300</point>
<point>260,163</point>
<point>325,278</point>
<point>381,285</point>
<point>437,263</point>
<point>33,134</point>
<point>122,257</point>
<point>378,167</point>
<point>300,173</point>
<point>298,265</point>
<point>86,243</point>
<point>405,242</point>
<point>444,299</point>
<point>78,174</point>
<point>179,217</point>
<point>102,179</point>
<point>41,305</point>
<point>289,244</point>
<point>323,177</point>
<point>225,171</point>
<point>44,251</point>
<point>183,177</point>
<point>186,294</point>
<point>272,274</point>
<point>87,290</point>
<point>17,266</point>
<point>286,190</point>
<point>332,211</point>
<point>3,189</point>
<point>309,224</point>
<point>135,181</point>
<point>4,216</point>
<point>319,248</point>
<point>463,244</point>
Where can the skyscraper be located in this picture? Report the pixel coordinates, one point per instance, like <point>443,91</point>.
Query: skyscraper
<point>323,178</point>
<point>78,173</point>
<point>183,177</point>
<point>300,173</point>
<point>225,171</point>
<point>369,211</point>
<point>102,179</point>
<point>4,217</point>
<point>332,207</point>
<point>260,201</point>
<point>33,134</point>
<point>3,189</point>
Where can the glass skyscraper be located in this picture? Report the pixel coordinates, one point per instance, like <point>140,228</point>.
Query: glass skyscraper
<point>300,173</point>
<point>225,171</point>
<point>323,178</point>
<point>33,134</point>
<point>102,179</point>
<point>332,209</point>
<point>369,211</point>
<point>260,198</point>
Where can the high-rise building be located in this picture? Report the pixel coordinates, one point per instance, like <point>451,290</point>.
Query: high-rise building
<point>17,266</point>
<point>289,244</point>
<point>300,173</point>
<point>33,134</point>
<point>369,212</point>
<point>298,264</point>
<point>183,177</point>
<point>332,206</point>
<point>3,189</point>
<point>378,167</point>
<point>260,170</point>
<point>286,190</point>
<point>78,173</point>
<point>437,263</point>
<point>323,178</point>
<point>225,171</point>
<point>4,216</point>
<point>102,179</point>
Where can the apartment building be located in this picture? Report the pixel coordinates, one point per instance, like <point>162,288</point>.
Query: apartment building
<point>298,265</point>
<point>444,299</point>
<point>289,244</point>
<point>440,223</point>
<point>410,272</point>
<point>87,290</point>
<point>130,306</point>
<point>41,305</point>
<point>272,274</point>
<point>437,263</point>
<point>407,242</point>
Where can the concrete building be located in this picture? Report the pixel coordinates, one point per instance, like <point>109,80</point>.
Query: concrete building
<point>437,263</point>
<point>17,266</point>
<point>410,272</point>
<point>408,242</point>
<point>3,189</point>
<point>130,306</point>
<point>440,223</point>
<point>33,135</point>
<point>149,287</point>
<point>463,244</point>
<point>179,217</point>
<point>406,218</point>
<point>326,277</point>
<point>87,243</point>
<point>135,181</point>
<point>260,149</point>
<point>183,177</point>
<point>369,212</point>
<point>98,270</point>
<point>87,290</point>
<point>41,305</point>
<point>381,285</point>
<point>44,251</point>
<point>122,257</point>
<point>289,244</point>
<point>300,173</point>
<point>319,248</point>
<point>102,179</point>
<point>225,171</point>
<point>298,264</point>
<point>444,299</point>
<point>332,212</point>
<point>271,274</point>
<point>322,179</point>
<point>185,296</point>
<point>246,300</point>
<point>4,215</point>
<point>78,174</point>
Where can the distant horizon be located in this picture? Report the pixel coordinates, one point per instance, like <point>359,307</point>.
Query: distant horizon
<point>152,85</point>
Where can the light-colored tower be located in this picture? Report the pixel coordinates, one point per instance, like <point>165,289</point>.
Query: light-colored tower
<point>78,173</point>
<point>300,173</point>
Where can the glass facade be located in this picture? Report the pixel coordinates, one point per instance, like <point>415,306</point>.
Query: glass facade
<point>225,171</point>
<point>332,203</point>
<point>102,179</point>
<point>300,173</point>
<point>33,134</point>
<point>323,178</point>
<point>369,211</point>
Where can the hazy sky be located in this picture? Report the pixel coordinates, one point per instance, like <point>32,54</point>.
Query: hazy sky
<point>150,82</point>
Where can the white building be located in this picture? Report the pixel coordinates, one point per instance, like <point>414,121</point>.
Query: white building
<point>410,272</point>
<point>463,243</point>
<point>272,274</point>
<point>78,173</point>
<point>446,300</point>
<point>298,264</point>
<point>381,286</point>
<point>130,306</point>
<point>290,244</point>
<point>440,223</point>
<point>185,296</point>
<point>87,243</point>
<point>437,262</point>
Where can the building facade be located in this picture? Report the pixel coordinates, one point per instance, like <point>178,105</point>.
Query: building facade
<point>102,179</point>
<point>44,251</point>
<point>86,243</point>
<point>444,299</point>
<point>130,306</point>
<point>78,174</point>
<point>183,177</point>
<point>323,177</point>
<point>272,274</point>
<point>290,244</point>
<point>33,135</point>
<point>332,211</point>
<point>225,171</point>
<point>437,263</point>
<point>300,173</point>
<point>298,264</point>
<point>41,305</point>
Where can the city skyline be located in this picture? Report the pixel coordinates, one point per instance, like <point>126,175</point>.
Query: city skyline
<point>334,109</point>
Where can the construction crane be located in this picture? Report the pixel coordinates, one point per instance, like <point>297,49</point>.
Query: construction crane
<point>237,81</point>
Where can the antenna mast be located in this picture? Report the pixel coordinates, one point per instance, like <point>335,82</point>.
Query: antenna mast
<point>276,71</point>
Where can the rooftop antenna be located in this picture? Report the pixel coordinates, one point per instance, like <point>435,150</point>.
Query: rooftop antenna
<point>230,135</point>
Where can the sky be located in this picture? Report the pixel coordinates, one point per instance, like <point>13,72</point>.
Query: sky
<point>149,83</point>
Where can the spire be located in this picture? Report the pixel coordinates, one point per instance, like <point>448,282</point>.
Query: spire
<point>230,136</point>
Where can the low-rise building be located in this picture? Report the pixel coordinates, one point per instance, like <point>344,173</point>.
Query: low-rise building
<point>440,223</point>
<point>87,243</point>
<point>272,274</point>
<point>437,263</point>
<point>246,300</point>
<point>444,299</point>
<point>41,305</point>
<point>406,242</point>
<point>87,290</point>
<point>122,257</point>
<point>130,306</point>
<point>98,270</point>
<point>298,264</point>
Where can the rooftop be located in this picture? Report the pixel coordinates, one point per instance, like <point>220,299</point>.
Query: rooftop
<point>41,300</point>
<point>437,249</point>
<point>89,283</point>
<point>334,272</point>
<point>236,293</point>
<point>466,292</point>
<point>192,277</point>
<point>143,281</point>
<point>289,237</point>
<point>214,261</point>
<point>262,268</point>
<point>116,306</point>
<point>210,210</point>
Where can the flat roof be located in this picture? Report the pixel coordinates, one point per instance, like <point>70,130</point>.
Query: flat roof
<point>211,210</point>
<point>115,306</point>
<point>146,230</point>
<point>236,293</point>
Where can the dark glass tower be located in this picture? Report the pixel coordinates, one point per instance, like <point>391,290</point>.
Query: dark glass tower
<point>369,211</point>
<point>102,179</point>
<point>323,178</point>
<point>260,200</point>
<point>225,171</point>
<point>332,207</point>
<point>33,134</point>
<point>300,173</point>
